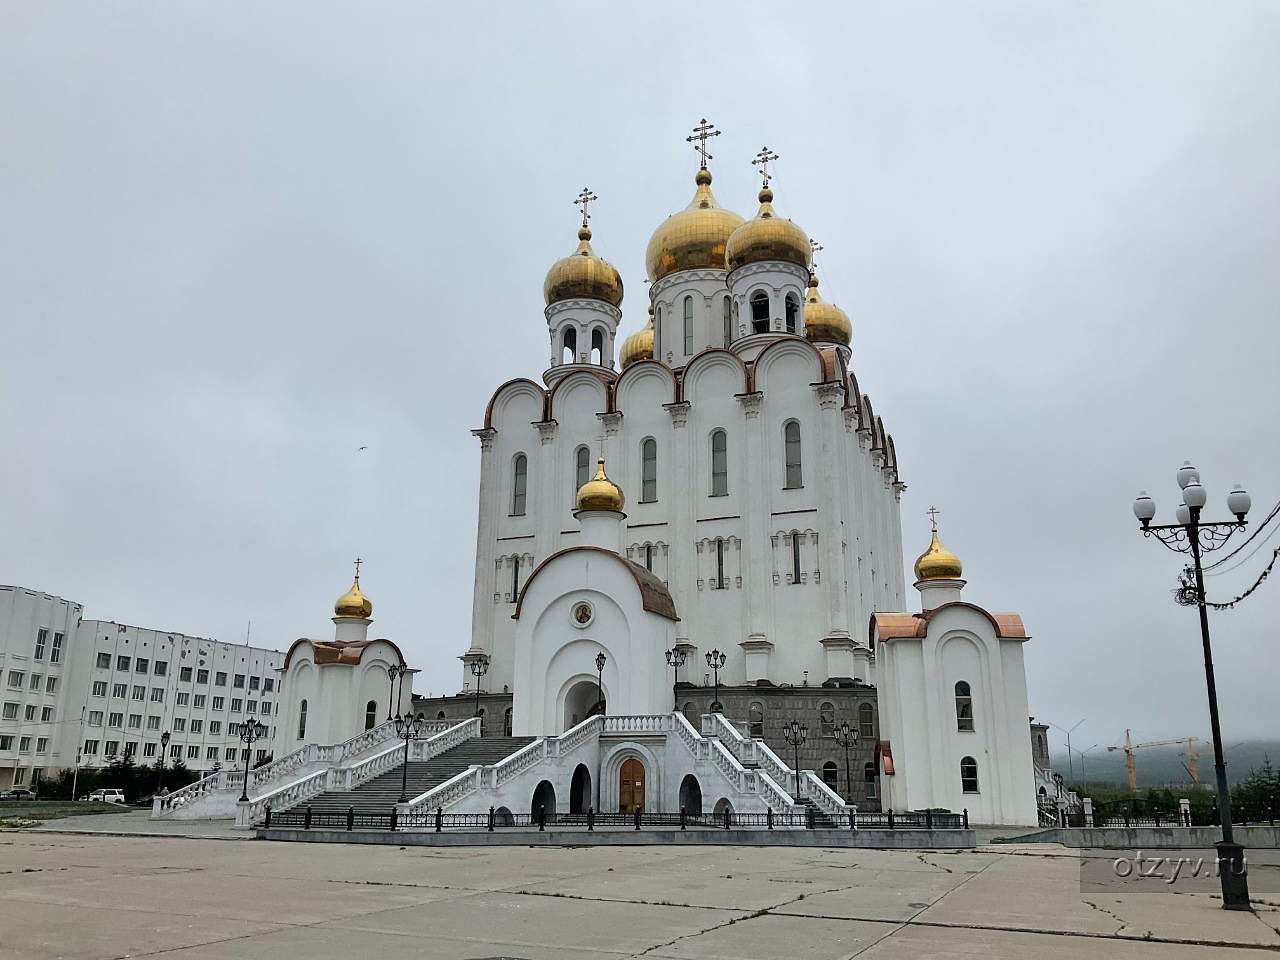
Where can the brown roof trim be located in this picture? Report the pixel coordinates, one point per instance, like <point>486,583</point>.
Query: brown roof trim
<point>893,626</point>
<point>654,595</point>
<point>349,652</point>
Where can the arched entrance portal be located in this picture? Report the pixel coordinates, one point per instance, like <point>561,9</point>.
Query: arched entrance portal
<point>580,790</point>
<point>583,700</point>
<point>691,796</point>
<point>544,799</point>
<point>631,786</point>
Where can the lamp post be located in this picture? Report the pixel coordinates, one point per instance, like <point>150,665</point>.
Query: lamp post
<point>394,673</point>
<point>1084,753</point>
<point>600,661</point>
<point>795,733</point>
<point>479,667</point>
<point>407,728</point>
<point>251,731</point>
<point>164,746</point>
<point>1189,535</point>
<point>675,660</point>
<point>847,737</point>
<point>716,660</point>
<point>1070,763</point>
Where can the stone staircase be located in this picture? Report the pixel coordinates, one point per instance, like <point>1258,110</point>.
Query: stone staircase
<point>821,819</point>
<point>383,792</point>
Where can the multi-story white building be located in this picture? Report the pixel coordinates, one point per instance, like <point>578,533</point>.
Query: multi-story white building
<point>98,689</point>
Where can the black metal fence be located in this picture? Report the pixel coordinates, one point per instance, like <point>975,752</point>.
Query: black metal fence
<point>1138,812</point>
<point>498,819</point>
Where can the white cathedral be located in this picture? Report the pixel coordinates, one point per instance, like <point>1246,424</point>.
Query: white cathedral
<point>759,536</point>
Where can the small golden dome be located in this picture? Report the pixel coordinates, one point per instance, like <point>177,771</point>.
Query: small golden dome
<point>600,493</point>
<point>638,346</point>
<point>938,563</point>
<point>583,275</point>
<point>768,237</point>
<point>693,238</point>
<point>354,604</point>
<point>825,322</point>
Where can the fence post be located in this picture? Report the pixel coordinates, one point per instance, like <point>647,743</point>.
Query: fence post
<point>1272,810</point>
<point>809,817</point>
<point>439,818</point>
<point>682,818</point>
<point>1184,811</point>
<point>395,818</point>
<point>768,817</point>
<point>966,818</point>
<point>542,818</point>
<point>928,818</point>
<point>491,819</point>
<point>351,818</point>
<point>306,823</point>
<point>853,820</point>
<point>726,817</point>
<point>591,819</point>
<point>1088,812</point>
<point>268,816</point>
<point>891,818</point>
<point>637,818</point>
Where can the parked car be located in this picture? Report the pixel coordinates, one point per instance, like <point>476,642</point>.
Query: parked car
<point>105,795</point>
<point>19,794</point>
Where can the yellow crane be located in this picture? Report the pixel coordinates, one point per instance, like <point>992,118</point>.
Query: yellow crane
<point>1192,764</point>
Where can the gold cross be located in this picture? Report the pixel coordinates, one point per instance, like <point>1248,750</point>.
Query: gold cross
<point>702,133</point>
<point>933,516</point>
<point>358,562</point>
<point>814,245</point>
<point>762,160</point>
<point>584,198</point>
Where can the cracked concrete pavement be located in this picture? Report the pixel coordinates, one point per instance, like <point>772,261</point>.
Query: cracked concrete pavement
<point>80,895</point>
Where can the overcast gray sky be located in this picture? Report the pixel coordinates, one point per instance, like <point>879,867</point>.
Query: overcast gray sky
<point>238,241</point>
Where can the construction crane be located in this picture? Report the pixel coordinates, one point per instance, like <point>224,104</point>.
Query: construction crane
<point>1192,765</point>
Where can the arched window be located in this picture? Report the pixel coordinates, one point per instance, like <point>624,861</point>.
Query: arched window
<point>648,557</point>
<point>795,556</point>
<point>515,578</point>
<point>756,719</point>
<point>597,346</point>
<point>869,778</point>
<point>519,484</point>
<point>793,312</point>
<point>302,720</point>
<point>793,478</point>
<point>964,706</point>
<point>648,470</point>
<point>440,715</point>
<point>569,349</point>
<point>827,720</point>
<point>968,775</point>
<point>581,469</point>
<point>506,722</point>
<point>830,776</point>
<point>760,312</point>
<point>719,464</point>
<point>720,582</point>
<point>691,713</point>
<point>371,714</point>
<point>866,721</point>
<point>728,324</point>
<point>688,326</point>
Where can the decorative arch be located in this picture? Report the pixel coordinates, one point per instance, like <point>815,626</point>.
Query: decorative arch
<point>636,374</point>
<point>521,386</point>
<point>611,767</point>
<point>787,346</point>
<point>595,379</point>
<point>691,796</point>
<point>708,359</point>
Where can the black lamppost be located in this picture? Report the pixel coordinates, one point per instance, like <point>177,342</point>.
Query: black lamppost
<point>479,667</point>
<point>394,673</point>
<point>847,737</point>
<point>1189,535</point>
<point>164,746</point>
<point>675,660</point>
<point>407,728</point>
<point>251,731</point>
<point>716,660</point>
<point>795,733</point>
<point>600,660</point>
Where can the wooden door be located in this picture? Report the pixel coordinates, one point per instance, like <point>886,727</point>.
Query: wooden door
<point>631,786</point>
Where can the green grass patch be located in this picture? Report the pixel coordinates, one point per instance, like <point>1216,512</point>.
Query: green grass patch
<point>14,814</point>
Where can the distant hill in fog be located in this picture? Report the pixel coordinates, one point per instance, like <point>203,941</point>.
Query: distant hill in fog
<point>1163,766</point>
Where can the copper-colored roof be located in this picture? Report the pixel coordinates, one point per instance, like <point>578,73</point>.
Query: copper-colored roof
<point>654,595</point>
<point>894,626</point>
<point>347,652</point>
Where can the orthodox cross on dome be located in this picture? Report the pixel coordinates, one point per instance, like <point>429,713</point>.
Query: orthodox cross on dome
<point>933,517</point>
<point>815,246</point>
<point>703,132</point>
<point>358,562</point>
<point>584,198</point>
<point>762,160</point>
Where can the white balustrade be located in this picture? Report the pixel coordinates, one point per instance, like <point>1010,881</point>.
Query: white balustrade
<point>822,796</point>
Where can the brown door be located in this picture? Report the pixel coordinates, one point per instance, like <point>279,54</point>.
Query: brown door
<point>631,786</point>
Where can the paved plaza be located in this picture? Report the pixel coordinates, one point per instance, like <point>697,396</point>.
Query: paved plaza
<point>87,894</point>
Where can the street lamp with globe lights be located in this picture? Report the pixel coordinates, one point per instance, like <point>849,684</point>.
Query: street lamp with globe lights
<point>1190,535</point>
<point>600,661</point>
<point>479,667</point>
<point>675,660</point>
<point>251,731</point>
<point>394,673</point>
<point>407,728</point>
<point>847,737</point>
<point>716,661</point>
<point>796,733</point>
<point>164,747</point>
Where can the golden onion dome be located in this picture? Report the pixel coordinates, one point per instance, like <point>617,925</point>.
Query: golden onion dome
<point>583,275</point>
<point>600,493</point>
<point>354,603</point>
<point>768,237</point>
<point>938,563</point>
<point>825,322</point>
<point>638,346</point>
<point>693,238</point>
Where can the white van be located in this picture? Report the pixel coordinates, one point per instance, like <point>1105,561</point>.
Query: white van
<point>106,796</point>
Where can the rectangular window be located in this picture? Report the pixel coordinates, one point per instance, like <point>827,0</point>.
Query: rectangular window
<point>230,753</point>
<point>35,680</point>
<point>688,326</point>
<point>183,698</point>
<point>266,709</point>
<point>220,679</point>
<point>157,694</point>
<point>135,721</point>
<point>6,742</point>
<point>115,720</point>
<point>139,693</point>
<point>111,749</point>
<point>51,685</point>
<point>215,727</point>
<point>131,748</point>
<point>46,714</point>
<point>148,749</point>
<point>99,688</point>
<point>95,718</point>
<point>211,753</point>
<point>253,683</point>
<point>198,701</point>
<point>179,724</point>
<point>160,669</point>
<point>91,748</point>
<point>10,711</point>
<point>55,655</point>
<point>140,665</point>
<point>153,723</point>
<point>239,681</point>
<point>17,678</point>
<point>42,744</point>
<point>251,706</point>
<point>193,751</point>
<point>119,690</point>
<point>185,674</point>
<point>123,663</point>
<point>197,726</point>
<point>24,745</point>
<point>29,712</point>
<point>236,703</point>
<point>42,638</point>
<point>259,756</point>
<point>104,661</point>
<point>721,583</point>
<point>175,751</point>
<point>202,676</point>
<point>268,684</point>
<point>219,703</point>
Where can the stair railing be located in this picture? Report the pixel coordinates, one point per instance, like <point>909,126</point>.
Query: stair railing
<point>823,797</point>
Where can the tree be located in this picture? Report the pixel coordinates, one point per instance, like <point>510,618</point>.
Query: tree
<point>1257,796</point>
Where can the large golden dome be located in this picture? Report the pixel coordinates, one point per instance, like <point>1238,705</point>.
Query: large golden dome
<point>825,322</point>
<point>938,563</point>
<point>693,238</point>
<point>638,346</point>
<point>768,237</point>
<point>583,275</point>
<point>600,493</point>
<point>354,603</point>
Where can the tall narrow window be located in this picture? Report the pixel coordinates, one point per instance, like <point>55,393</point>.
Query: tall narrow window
<point>581,468</point>
<point>720,581</point>
<point>728,324</point>
<point>795,557</point>
<point>793,313</point>
<point>866,721</point>
<point>794,477</point>
<point>688,326</point>
<point>719,464</point>
<point>827,720</point>
<point>569,352</point>
<point>831,774</point>
<point>371,714</point>
<point>519,482</point>
<point>302,720</point>
<point>755,717</point>
<point>869,778</point>
<point>759,312</point>
<point>657,334</point>
<point>55,654</point>
<point>515,579</point>
<point>42,637</point>
<point>648,470</point>
<point>648,557</point>
<point>969,775</point>
<point>964,706</point>
<point>506,723</point>
<point>597,346</point>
